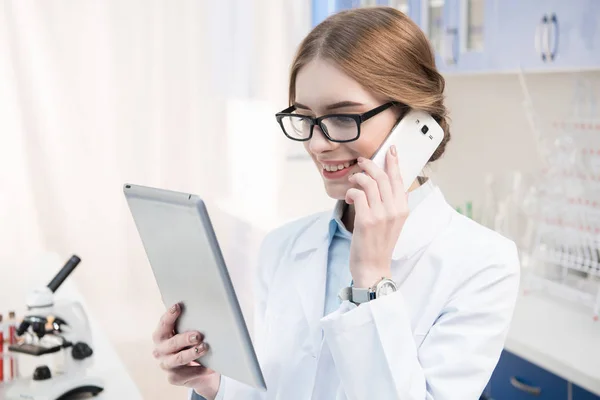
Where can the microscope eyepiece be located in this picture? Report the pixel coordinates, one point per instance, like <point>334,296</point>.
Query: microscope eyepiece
<point>64,272</point>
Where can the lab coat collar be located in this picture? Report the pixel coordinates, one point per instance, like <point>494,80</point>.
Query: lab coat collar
<point>429,213</point>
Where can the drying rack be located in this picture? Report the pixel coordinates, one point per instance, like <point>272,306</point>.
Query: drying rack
<point>563,257</point>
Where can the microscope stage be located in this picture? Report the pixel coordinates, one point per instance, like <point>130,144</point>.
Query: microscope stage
<point>33,349</point>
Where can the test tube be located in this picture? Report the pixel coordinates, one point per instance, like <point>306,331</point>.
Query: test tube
<point>12,339</point>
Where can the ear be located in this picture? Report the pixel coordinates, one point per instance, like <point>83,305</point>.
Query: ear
<point>400,110</point>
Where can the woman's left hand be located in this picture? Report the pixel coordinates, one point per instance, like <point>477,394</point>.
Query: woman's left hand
<point>381,208</point>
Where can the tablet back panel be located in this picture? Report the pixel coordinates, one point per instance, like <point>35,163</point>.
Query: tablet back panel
<point>188,267</point>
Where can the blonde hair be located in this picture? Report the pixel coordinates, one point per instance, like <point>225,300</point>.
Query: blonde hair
<point>386,52</point>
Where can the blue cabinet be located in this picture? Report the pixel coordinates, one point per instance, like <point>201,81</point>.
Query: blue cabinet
<point>517,379</point>
<point>520,31</point>
<point>473,25</point>
<point>476,29</point>
<point>574,34</point>
<point>438,19</point>
<point>509,35</point>
<point>499,35</point>
<point>582,394</point>
<point>547,35</point>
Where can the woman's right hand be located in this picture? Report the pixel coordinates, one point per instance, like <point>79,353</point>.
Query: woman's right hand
<point>177,352</point>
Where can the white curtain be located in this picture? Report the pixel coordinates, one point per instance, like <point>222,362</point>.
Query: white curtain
<point>94,94</point>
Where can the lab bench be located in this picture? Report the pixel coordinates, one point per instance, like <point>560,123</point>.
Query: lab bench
<point>552,352</point>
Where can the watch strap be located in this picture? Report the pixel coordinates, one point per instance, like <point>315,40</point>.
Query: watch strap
<point>359,295</point>
<point>345,294</point>
<point>356,295</point>
<point>362,295</point>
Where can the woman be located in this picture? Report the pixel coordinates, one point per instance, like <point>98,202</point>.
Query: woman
<point>440,334</point>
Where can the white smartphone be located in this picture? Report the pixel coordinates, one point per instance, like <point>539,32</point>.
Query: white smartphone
<point>416,137</point>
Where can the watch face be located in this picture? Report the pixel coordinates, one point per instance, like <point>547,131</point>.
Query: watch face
<point>386,288</point>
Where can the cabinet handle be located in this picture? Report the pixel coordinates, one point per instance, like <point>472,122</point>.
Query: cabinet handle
<point>532,390</point>
<point>541,38</point>
<point>552,53</point>
<point>452,58</point>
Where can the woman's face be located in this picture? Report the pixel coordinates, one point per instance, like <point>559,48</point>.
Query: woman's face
<point>322,88</point>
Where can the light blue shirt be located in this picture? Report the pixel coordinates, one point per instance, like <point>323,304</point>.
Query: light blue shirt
<point>338,259</point>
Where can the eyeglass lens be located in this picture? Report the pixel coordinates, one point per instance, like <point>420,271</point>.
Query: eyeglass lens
<point>336,127</point>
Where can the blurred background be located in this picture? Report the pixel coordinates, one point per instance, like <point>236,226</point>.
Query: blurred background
<point>182,95</point>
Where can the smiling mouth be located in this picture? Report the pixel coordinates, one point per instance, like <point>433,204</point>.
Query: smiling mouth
<point>339,167</point>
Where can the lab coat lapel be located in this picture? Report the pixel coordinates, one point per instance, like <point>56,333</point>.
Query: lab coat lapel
<point>423,224</point>
<point>309,271</point>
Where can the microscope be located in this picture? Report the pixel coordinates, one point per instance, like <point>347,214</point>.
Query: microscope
<point>55,327</point>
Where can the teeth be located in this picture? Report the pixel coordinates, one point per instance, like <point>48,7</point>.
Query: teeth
<point>334,168</point>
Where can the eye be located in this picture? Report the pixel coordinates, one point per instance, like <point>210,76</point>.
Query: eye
<point>342,122</point>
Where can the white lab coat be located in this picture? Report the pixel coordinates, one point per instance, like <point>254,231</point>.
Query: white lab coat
<point>439,337</point>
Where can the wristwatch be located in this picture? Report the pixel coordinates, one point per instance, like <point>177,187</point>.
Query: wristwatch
<point>382,288</point>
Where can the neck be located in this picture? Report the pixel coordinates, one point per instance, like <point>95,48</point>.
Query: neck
<point>350,213</point>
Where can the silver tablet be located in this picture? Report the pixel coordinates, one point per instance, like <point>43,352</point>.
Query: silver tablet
<point>189,268</point>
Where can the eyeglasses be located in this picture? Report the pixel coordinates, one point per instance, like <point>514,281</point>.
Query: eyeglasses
<point>340,128</point>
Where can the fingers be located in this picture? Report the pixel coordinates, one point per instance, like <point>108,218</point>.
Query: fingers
<point>177,343</point>
<point>181,376</point>
<point>359,199</point>
<point>369,187</point>
<point>393,171</point>
<point>166,325</point>
<point>380,177</point>
<point>183,357</point>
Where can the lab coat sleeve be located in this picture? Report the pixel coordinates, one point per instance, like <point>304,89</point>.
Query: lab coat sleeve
<point>376,355</point>
<point>220,393</point>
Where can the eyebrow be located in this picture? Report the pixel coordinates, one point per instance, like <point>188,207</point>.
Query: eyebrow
<point>340,104</point>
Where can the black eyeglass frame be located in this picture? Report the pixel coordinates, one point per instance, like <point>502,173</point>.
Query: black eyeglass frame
<point>358,118</point>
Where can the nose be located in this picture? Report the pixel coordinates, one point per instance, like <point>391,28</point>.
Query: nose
<point>318,143</point>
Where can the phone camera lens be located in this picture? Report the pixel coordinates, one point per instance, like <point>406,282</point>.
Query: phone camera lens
<point>425,129</point>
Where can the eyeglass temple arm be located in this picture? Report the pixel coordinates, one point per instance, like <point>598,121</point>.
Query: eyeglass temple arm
<point>375,111</point>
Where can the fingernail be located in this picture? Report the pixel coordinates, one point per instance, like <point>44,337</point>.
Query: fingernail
<point>173,309</point>
<point>393,150</point>
<point>203,346</point>
<point>193,338</point>
<point>360,159</point>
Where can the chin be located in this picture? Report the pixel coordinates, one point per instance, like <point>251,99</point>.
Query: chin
<point>336,192</point>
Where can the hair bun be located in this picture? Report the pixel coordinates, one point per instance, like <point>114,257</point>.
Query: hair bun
<point>443,121</point>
